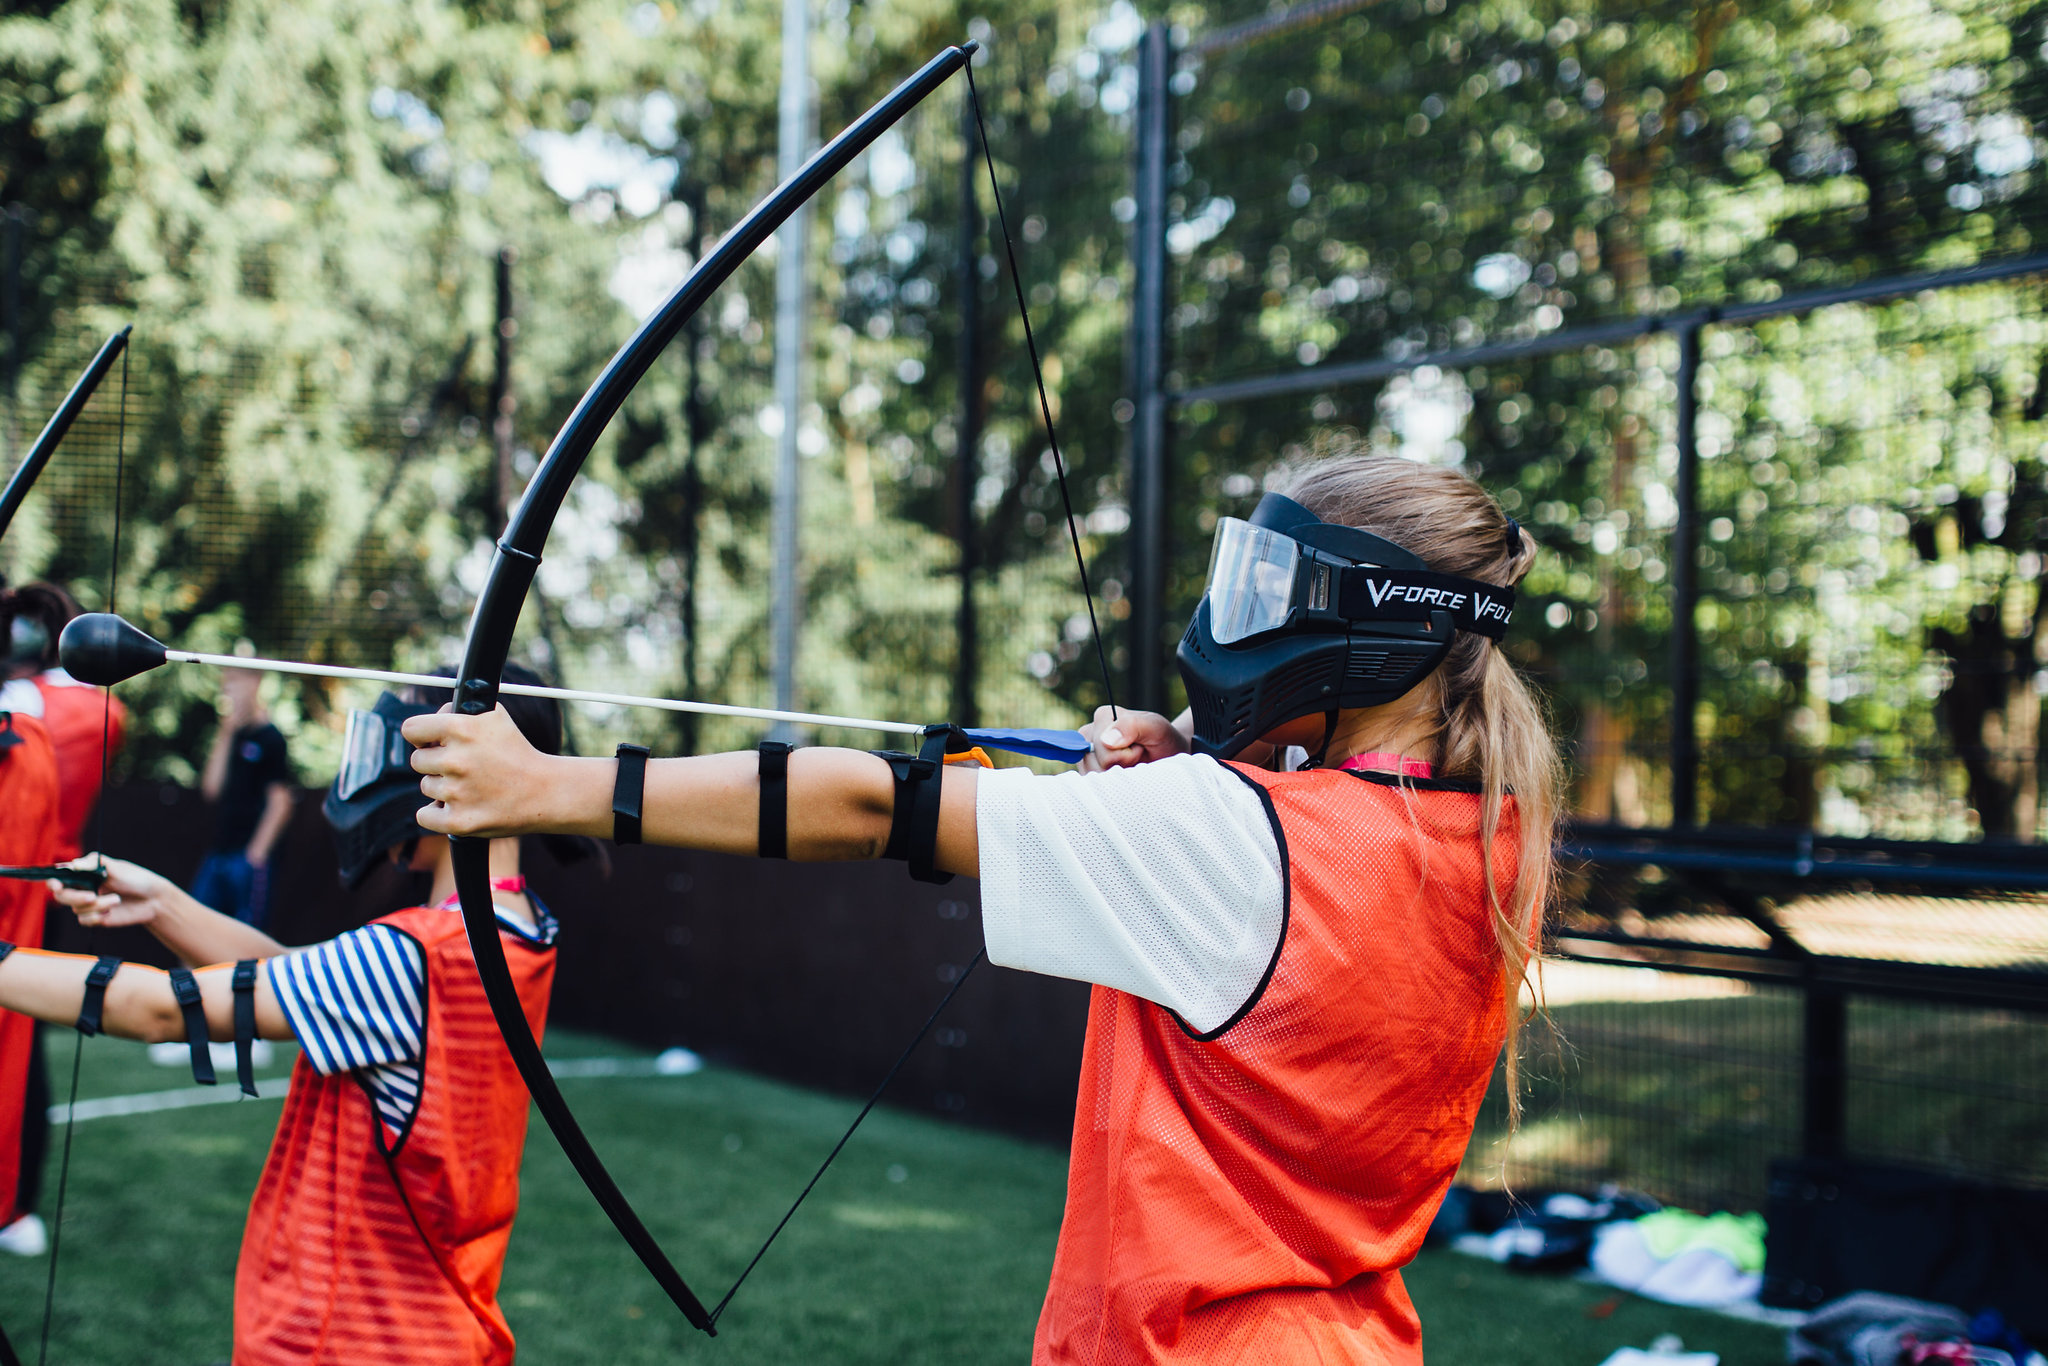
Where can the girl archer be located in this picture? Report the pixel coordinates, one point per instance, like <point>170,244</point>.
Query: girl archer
<point>1302,978</point>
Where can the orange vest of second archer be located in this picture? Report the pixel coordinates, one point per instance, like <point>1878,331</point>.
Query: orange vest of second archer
<point>362,1248</point>
<point>28,835</point>
<point>1253,1198</point>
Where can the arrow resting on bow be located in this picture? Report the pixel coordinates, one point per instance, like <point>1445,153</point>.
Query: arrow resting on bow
<point>103,649</point>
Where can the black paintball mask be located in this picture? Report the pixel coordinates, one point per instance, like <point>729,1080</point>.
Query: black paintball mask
<point>1305,617</point>
<point>374,803</point>
<point>376,795</point>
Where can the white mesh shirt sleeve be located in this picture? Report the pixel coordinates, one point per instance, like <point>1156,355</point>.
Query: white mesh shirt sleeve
<point>1163,880</point>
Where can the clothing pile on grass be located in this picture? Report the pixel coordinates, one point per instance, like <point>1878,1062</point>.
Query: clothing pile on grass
<point>1868,1329</point>
<point>1710,1261</point>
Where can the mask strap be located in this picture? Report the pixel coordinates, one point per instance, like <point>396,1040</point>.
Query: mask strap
<point>1323,750</point>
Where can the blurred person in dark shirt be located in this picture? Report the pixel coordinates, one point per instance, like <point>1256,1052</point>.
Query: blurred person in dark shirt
<point>249,779</point>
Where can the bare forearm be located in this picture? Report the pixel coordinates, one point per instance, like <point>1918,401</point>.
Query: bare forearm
<point>199,934</point>
<point>486,780</point>
<point>842,803</point>
<point>140,1003</point>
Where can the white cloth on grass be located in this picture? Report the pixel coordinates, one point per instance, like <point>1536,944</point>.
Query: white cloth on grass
<point>1162,880</point>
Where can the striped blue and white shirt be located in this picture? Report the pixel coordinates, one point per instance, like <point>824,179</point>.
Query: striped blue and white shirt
<point>358,1003</point>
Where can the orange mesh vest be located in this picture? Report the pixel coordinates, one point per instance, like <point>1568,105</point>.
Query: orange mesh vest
<point>1251,1199</point>
<point>28,835</point>
<point>334,1267</point>
<point>77,717</point>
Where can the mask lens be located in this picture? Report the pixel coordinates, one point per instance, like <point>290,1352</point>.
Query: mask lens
<point>371,747</point>
<point>1251,580</point>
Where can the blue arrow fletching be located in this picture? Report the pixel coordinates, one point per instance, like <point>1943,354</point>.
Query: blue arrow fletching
<point>1060,746</point>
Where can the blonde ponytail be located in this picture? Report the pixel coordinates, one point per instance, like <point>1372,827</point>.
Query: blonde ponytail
<point>1493,731</point>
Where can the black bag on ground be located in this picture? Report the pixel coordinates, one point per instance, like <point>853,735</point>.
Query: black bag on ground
<point>1838,1227</point>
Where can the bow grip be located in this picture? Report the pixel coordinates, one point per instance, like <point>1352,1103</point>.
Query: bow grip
<point>492,625</point>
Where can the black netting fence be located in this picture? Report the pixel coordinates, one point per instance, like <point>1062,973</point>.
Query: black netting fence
<point>340,509</point>
<point>1488,238</point>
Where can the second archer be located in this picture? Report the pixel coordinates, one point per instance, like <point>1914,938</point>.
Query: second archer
<point>378,1229</point>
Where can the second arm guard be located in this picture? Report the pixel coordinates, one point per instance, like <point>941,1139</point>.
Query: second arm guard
<point>186,987</point>
<point>95,998</point>
<point>245,1025</point>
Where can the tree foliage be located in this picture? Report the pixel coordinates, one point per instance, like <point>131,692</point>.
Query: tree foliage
<point>1411,179</point>
<point>301,206</point>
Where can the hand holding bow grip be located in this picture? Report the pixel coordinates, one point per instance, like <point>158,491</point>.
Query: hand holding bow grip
<point>77,879</point>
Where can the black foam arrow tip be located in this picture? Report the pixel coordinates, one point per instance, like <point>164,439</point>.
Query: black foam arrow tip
<point>103,649</point>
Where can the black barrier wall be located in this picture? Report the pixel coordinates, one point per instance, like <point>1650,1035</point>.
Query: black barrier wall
<point>815,973</point>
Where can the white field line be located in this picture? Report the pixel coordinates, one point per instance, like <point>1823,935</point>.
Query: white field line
<point>274,1088</point>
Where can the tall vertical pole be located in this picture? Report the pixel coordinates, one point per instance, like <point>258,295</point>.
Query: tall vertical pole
<point>10,304</point>
<point>792,144</point>
<point>1685,590</point>
<point>696,430</point>
<point>1146,684</point>
<point>504,403</point>
<point>967,464</point>
<point>1824,1073</point>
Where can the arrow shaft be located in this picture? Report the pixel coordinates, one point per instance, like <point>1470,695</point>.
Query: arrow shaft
<point>609,699</point>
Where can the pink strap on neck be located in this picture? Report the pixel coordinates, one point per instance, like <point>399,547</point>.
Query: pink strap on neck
<point>511,886</point>
<point>1401,764</point>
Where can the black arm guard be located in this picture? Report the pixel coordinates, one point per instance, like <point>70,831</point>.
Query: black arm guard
<point>914,832</point>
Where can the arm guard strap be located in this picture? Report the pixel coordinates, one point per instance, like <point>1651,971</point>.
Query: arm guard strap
<point>245,1025</point>
<point>95,999</point>
<point>774,833</point>
<point>186,987</point>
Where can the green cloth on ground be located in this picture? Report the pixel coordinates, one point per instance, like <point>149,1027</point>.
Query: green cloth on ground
<point>1739,1237</point>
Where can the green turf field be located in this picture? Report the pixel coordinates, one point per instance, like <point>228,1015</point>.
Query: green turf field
<point>928,1242</point>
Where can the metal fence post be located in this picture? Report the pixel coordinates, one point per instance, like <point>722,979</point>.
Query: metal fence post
<point>1685,589</point>
<point>967,462</point>
<point>1145,684</point>
<point>504,403</point>
<point>792,303</point>
<point>1824,1073</point>
<point>15,219</point>
<point>696,432</point>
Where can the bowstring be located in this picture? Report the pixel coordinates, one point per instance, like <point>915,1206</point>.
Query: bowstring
<point>844,1138</point>
<point>1052,437</point>
<point>99,840</point>
<point>1059,465</point>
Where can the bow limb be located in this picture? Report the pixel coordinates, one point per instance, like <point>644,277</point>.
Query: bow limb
<point>23,479</point>
<point>31,466</point>
<point>511,574</point>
